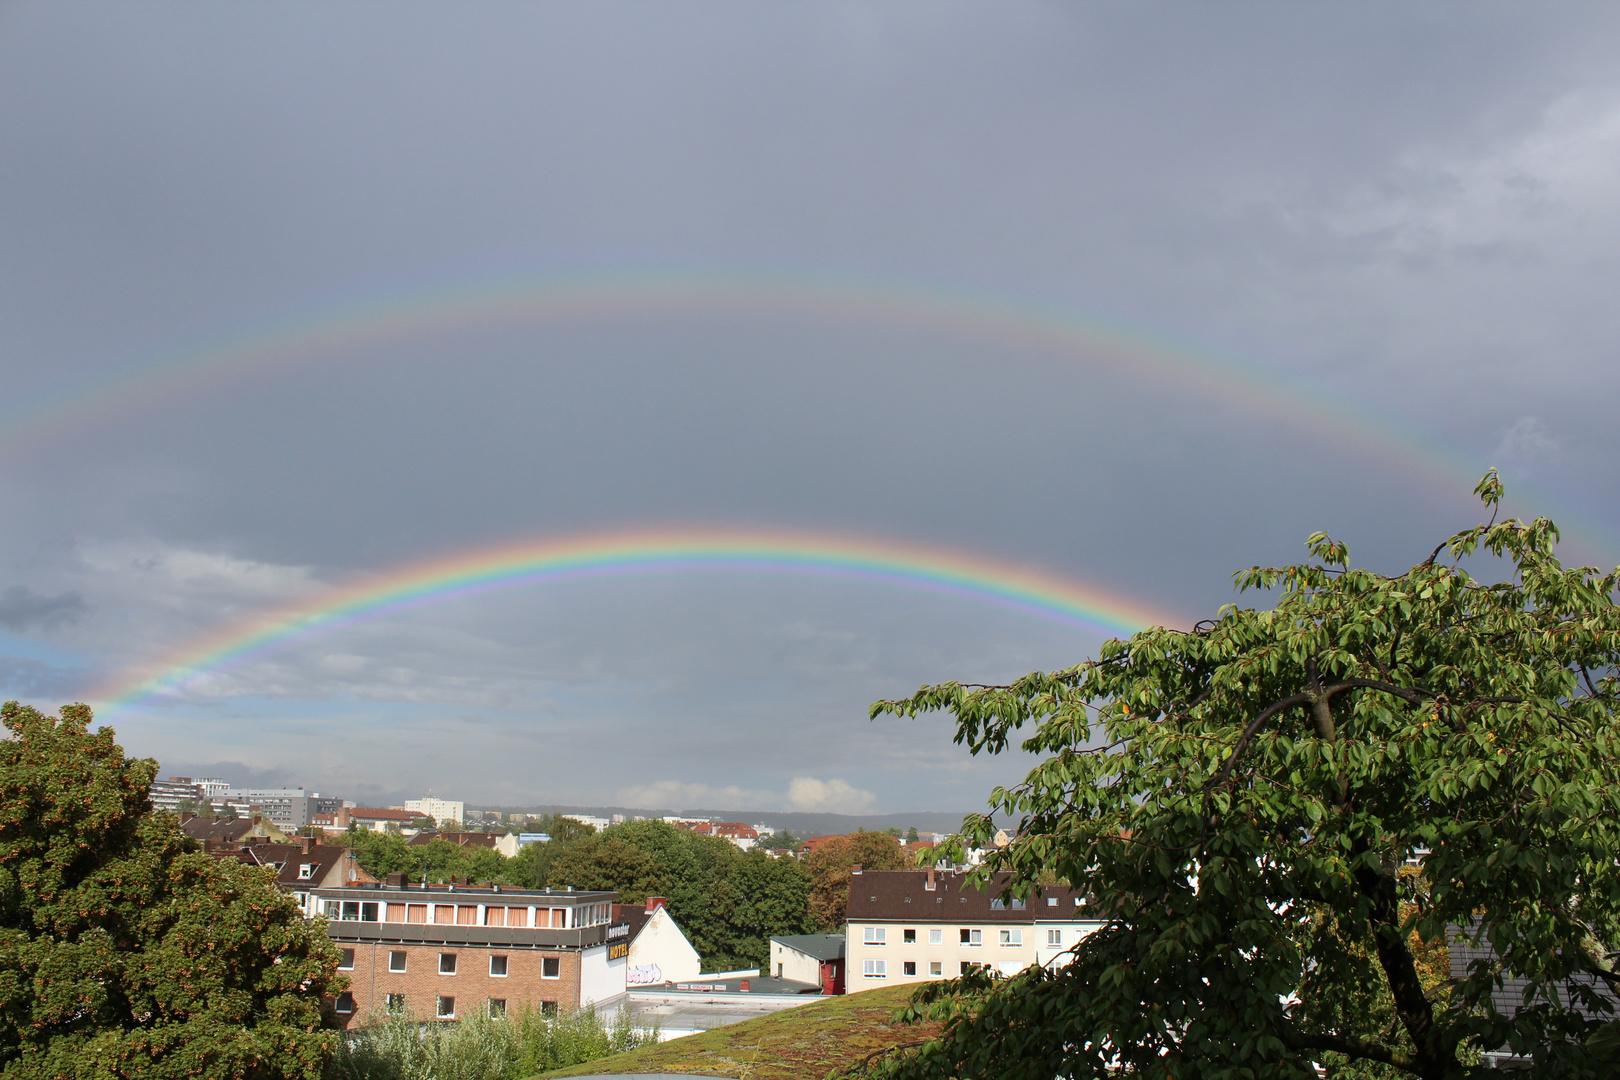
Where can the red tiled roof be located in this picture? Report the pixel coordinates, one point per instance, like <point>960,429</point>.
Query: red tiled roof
<point>378,814</point>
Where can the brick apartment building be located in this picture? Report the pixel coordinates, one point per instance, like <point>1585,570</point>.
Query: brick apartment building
<point>911,926</point>
<point>443,952</point>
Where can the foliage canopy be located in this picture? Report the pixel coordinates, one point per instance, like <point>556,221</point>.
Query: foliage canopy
<point>124,950</point>
<point>1284,812</point>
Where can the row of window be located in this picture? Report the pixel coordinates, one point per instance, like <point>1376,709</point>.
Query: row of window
<point>879,969</point>
<point>444,1006</point>
<point>461,914</point>
<point>879,935</point>
<point>550,966</point>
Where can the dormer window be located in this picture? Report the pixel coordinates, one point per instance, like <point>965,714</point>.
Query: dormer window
<point>306,871</point>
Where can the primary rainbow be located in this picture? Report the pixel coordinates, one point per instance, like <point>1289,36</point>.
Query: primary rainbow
<point>973,577</point>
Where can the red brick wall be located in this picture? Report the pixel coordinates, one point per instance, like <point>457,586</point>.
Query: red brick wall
<point>472,985</point>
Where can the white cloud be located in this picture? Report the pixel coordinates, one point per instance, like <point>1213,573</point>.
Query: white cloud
<point>1526,442</point>
<point>675,795</point>
<point>836,796</point>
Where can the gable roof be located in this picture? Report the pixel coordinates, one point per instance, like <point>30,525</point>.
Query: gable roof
<point>903,895</point>
<point>817,946</point>
<point>375,813</point>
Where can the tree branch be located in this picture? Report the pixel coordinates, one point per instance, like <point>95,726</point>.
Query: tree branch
<point>1354,1047</point>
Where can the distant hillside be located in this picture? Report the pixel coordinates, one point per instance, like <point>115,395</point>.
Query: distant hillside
<point>800,825</point>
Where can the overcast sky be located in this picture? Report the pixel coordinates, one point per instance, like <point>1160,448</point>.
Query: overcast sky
<point>1383,236</point>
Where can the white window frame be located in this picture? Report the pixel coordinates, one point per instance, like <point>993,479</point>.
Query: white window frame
<point>1011,939</point>
<point>975,939</point>
<point>505,965</point>
<point>1054,937</point>
<point>554,959</point>
<point>875,969</point>
<point>936,937</point>
<point>493,1015</point>
<point>438,1006</point>
<point>452,957</point>
<point>936,967</point>
<point>346,963</point>
<point>875,935</point>
<point>404,961</point>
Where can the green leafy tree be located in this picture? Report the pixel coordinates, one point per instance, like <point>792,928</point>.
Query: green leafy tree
<point>830,866</point>
<point>727,903</point>
<point>1285,809</point>
<point>911,835</point>
<point>382,853</point>
<point>773,897</point>
<point>781,840</point>
<point>124,950</point>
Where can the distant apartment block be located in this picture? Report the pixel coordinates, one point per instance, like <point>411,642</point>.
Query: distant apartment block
<point>440,810</point>
<point>744,836</point>
<point>376,819</point>
<point>914,925</point>
<point>290,808</point>
<point>447,952</point>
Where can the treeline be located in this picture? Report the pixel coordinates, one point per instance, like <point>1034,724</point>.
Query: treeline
<point>728,901</point>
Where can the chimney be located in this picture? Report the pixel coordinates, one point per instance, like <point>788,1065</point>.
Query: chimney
<point>306,843</point>
<point>654,903</point>
<point>855,869</point>
<point>396,880</point>
<point>931,885</point>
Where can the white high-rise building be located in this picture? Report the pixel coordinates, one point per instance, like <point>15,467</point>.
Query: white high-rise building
<point>440,810</point>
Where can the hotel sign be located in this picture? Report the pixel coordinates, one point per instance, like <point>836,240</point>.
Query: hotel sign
<point>618,950</point>
<point>622,930</point>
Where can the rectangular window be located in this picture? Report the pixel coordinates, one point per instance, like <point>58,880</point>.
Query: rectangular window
<point>908,937</point>
<point>909,967</point>
<point>936,937</point>
<point>368,912</point>
<point>396,1002</point>
<point>351,911</point>
<point>394,913</point>
<point>1018,905</point>
<point>467,915</point>
<point>1011,938</point>
<point>306,871</point>
<point>1051,901</point>
<point>497,1007</point>
<point>396,961</point>
<point>997,904</point>
<point>550,967</point>
<point>447,1008</point>
<point>497,966</point>
<point>444,914</point>
<point>494,916</point>
<point>875,969</point>
<point>345,1004</point>
<point>416,913</point>
<point>548,1008</point>
<point>1054,937</point>
<point>332,909</point>
<point>876,935</point>
<point>972,938</point>
<point>447,963</point>
<point>347,963</point>
<point>559,918</point>
<point>517,916</point>
<point>936,967</point>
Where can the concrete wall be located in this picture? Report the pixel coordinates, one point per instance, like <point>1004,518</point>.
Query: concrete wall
<point>789,963</point>
<point>662,945</point>
<point>949,953</point>
<point>600,978</point>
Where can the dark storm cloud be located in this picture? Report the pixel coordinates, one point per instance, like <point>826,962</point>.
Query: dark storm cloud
<point>21,608</point>
<point>1408,214</point>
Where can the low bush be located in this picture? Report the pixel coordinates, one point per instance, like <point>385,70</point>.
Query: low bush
<point>393,1046</point>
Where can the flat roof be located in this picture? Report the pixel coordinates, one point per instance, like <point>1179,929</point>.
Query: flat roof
<point>470,893</point>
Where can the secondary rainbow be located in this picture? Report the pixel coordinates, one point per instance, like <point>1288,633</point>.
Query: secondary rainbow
<point>1092,342</point>
<point>975,578</point>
